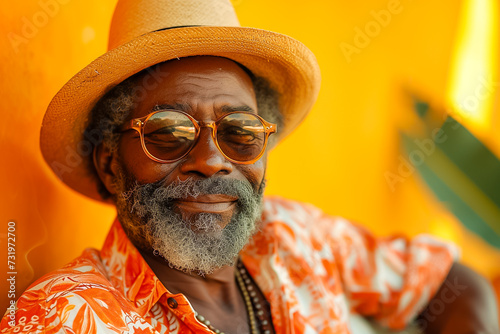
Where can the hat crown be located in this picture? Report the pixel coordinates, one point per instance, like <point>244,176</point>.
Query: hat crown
<point>133,18</point>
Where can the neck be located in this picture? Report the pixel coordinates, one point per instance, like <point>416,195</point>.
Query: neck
<point>217,289</point>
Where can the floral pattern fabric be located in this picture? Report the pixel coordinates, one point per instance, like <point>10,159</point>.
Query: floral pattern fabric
<point>315,270</point>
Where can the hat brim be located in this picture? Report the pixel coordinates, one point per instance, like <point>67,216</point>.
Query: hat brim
<point>290,67</point>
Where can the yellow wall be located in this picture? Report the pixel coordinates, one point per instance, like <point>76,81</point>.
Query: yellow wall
<point>336,160</point>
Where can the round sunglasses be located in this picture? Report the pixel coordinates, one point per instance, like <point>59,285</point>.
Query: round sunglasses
<point>169,135</point>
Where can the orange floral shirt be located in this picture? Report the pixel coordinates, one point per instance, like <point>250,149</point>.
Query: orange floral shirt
<point>315,270</point>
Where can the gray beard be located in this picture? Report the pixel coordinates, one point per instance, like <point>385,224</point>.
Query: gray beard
<point>194,244</point>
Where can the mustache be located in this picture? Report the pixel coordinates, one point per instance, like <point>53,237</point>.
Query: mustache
<point>192,188</point>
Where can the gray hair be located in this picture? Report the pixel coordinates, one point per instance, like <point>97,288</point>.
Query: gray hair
<point>113,108</point>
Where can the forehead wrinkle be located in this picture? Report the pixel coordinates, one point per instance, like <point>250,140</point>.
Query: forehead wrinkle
<point>192,79</point>
<point>194,91</point>
<point>213,76</point>
<point>217,101</point>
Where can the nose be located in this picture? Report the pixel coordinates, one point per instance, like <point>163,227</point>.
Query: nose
<point>205,159</point>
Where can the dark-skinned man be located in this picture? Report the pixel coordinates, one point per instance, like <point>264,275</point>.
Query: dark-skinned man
<point>181,113</point>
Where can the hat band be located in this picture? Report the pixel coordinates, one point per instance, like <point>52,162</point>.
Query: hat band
<point>175,27</point>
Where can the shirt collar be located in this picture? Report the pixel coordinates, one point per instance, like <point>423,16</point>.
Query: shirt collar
<point>130,274</point>
<point>128,271</point>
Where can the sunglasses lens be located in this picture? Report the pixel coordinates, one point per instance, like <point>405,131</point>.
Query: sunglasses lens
<point>241,136</point>
<point>168,135</point>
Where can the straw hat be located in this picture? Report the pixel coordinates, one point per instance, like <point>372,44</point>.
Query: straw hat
<point>147,32</point>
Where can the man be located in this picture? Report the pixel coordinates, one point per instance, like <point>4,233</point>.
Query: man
<point>181,112</point>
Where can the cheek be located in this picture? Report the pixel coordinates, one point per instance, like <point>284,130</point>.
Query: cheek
<point>256,172</point>
<point>138,164</point>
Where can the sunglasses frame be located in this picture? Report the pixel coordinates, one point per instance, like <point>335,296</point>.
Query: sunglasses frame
<point>138,124</point>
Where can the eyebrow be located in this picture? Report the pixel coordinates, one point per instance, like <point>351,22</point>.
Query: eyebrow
<point>227,108</point>
<point>178,106</point>
<point>186,107</point>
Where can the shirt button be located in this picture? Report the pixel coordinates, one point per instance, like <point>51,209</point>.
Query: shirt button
<point>172,303</point>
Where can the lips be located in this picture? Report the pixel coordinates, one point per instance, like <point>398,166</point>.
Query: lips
<point>217,203</point>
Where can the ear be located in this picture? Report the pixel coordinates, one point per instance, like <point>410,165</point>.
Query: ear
<point>106,166</point>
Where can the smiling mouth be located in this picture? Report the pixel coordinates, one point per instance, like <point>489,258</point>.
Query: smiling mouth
<point>207,203</point>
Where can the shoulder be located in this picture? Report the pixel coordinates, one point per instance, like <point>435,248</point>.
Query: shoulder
<point>305,218</point>
<point>77,274</point>
<point>289,211</point>
<point>63,296</point>
<point>288,220</point>
<point>294,225</point>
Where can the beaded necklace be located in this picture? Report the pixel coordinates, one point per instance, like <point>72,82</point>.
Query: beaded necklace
<point>252,302</point>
